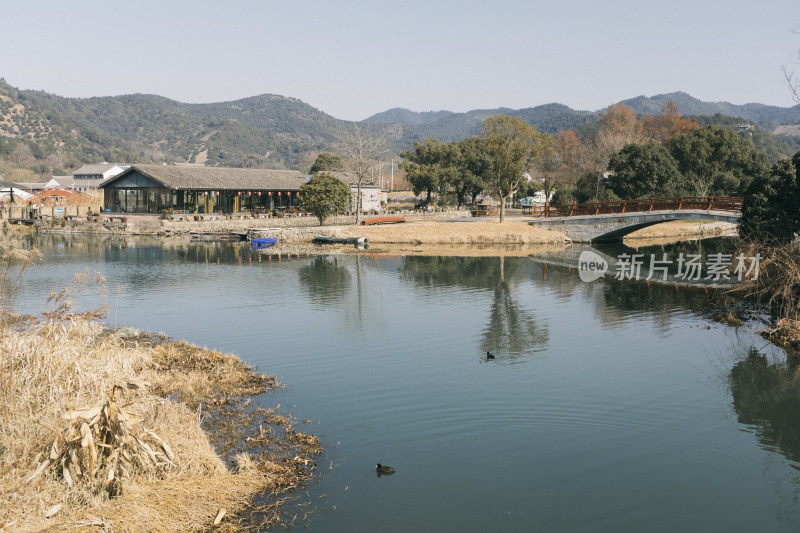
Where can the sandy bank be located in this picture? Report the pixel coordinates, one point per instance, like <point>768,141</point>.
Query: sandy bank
<point>681,228</point>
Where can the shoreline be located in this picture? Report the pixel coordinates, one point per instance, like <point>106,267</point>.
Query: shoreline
<point>441,228</point>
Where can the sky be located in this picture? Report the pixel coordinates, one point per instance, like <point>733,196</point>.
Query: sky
<point>352,59</point>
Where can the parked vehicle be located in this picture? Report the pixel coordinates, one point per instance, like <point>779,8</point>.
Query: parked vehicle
<point>538,198</point>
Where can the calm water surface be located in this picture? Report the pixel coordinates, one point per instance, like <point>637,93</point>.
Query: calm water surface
<point>609,406</point>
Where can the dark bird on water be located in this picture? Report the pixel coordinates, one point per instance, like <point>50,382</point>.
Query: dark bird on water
<point>384,470</point>
<point>489,355</point>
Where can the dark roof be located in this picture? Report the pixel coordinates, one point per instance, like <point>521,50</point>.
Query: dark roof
<point>198,177</point>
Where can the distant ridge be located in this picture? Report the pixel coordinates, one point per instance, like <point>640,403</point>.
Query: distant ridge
<point>278,132</point>
<point>550,117</point>
<point>691,106</point>
<point>404,116</point>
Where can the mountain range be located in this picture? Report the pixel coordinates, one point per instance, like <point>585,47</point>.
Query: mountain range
<point>274,131</point>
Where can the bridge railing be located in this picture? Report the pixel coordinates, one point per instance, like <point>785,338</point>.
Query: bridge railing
<point>731,204</point>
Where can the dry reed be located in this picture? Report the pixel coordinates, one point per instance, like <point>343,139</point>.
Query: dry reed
<point>776,288</point>
<point>777,285</point>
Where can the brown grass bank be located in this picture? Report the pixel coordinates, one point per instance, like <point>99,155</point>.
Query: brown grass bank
<point>105,430</point>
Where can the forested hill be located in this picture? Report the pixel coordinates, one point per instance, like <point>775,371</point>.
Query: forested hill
<point>447,126</point>
<point>42,134</point>
<point>264,131</point>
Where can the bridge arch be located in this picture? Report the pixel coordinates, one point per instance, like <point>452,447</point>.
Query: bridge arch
<point>614,227</point>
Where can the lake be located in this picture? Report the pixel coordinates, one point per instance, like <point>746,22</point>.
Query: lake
<point>609,406</point>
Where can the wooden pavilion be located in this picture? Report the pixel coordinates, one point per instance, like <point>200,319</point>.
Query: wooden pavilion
<point>153,189</point>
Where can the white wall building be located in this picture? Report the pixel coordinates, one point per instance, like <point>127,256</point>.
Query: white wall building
<point>100,171</point>
<point>371,196</point>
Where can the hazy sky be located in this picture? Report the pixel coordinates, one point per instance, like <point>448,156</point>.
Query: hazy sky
<point>352,59</point>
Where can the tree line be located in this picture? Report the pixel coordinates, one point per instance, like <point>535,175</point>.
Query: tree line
<point>575,170</point>
<point>627,157</point>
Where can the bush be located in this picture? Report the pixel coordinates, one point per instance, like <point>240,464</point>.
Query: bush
<point>563,196</point>
<point>448,199</point>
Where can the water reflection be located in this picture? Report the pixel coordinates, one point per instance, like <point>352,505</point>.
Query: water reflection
<point>671,262</point>
<point>767,395</point>
<point>466,272</point>
<point>511,332</point>
<point>708,263</point>
<point>621,300</point>
<point>325,280</point>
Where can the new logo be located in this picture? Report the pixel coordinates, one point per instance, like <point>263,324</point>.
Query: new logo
<point>591,266</point>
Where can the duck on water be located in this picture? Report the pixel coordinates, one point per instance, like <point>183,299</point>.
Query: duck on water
<point>384,470</point>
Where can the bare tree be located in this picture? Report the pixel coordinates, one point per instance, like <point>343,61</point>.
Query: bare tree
<point>361,155</point>
<point>791,77</point>
<point>618,127</point>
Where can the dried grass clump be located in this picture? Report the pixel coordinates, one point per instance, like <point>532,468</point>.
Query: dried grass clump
<point>197,375</point>
<point>87,442</point>
<point>79,426</point>
<point>185,503</point>
<point>777,287</point>
<point>46,372</point>
<point>103,445</point>
<point>778,282</point>
<point>786,333</point>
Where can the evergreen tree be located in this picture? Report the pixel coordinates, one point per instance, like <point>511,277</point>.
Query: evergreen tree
<point>327,163</point>
<point>644,171</point>
<point>772,204</point>
<point>324,195</point>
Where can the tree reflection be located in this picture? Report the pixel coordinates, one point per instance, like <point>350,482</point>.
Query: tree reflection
<point>435,271</point>
<point>768,396</point>
<point>325,280</point>
<point>512,331</point>
<point>617,299</point>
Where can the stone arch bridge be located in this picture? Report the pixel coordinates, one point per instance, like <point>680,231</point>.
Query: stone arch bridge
<point>611,221</point>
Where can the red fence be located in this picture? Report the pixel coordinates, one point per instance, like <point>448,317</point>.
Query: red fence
<point>731,204</point>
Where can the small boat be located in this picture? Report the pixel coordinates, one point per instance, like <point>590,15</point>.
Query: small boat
<point>218,235</point>
<point>382,220</point>
<point>263,243</point>
<point>325,239</point>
